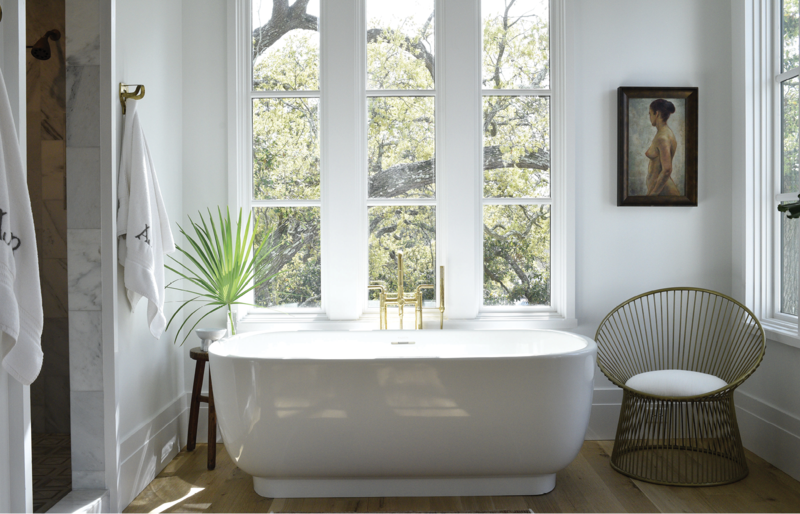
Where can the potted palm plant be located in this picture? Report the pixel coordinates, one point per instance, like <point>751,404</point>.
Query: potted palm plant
<point>222,268</point>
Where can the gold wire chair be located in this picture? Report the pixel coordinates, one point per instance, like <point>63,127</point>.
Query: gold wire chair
<point>674,440</point>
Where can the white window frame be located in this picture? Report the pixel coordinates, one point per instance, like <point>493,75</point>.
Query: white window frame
<point>757,168</point>
<point>343,197</point>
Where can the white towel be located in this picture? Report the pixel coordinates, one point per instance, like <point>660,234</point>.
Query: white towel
<point>21,315</point>
<point>142,223</point>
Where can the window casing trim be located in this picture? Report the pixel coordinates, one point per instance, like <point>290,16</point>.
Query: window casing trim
<point>343,277</point>
<point>757,149</point>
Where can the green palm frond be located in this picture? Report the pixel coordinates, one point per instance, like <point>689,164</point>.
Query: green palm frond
<point>220,264</point>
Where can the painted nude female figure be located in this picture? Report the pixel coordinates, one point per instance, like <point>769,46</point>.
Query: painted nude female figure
<point>661,151</point>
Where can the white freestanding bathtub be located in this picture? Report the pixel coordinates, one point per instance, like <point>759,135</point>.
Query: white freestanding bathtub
<point>444,413</point>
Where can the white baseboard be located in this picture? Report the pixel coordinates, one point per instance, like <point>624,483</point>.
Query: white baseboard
<point>605,414</point>
<point>145,451</point>
<point>769,432</point>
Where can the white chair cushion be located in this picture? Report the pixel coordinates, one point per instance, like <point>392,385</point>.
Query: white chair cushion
<point>675,382</point>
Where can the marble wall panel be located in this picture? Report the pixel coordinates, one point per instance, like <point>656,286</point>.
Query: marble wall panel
<point>87,431</point>
<point>57,413</point>
<point>83,33</point>
<point>38,396</point>
<point>53,276</point>
<point>83,187</point>
<point>54,172</point>
<point>54,93</point>
<point>38,405</point>
<point>46,164</point>
<point>34,154</point>
<point>82,481</point>
<point>52,239</point>
<point>38,416</point>
<point>84,276</point>
<point>83,106</point>
<point>86,350</point>
<point>55,346</point>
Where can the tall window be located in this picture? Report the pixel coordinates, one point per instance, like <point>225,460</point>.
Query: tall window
<point>516,152</point>
<point>401,112</point>
<point>286,151</point>
<point>509,224</point>
<point>789,79</point>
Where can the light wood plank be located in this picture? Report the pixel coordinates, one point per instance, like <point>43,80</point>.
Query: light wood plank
<point>624,489</point>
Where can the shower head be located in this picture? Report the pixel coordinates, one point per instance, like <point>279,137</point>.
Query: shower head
<point>41,49</point>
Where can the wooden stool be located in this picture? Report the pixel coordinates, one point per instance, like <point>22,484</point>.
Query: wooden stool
<point>194,410</point>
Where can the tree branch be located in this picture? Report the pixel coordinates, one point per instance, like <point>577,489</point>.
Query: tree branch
<point>283,20</point>
<point>402,178</point>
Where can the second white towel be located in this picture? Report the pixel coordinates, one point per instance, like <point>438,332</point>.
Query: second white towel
<point>142,223</point>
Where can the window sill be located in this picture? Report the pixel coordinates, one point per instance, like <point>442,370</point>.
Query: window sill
<point>485,321</point>
<point>784,332</point>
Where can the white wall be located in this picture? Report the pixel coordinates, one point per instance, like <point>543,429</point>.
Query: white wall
<point>625,251</point>
<point>150,388</point>
<point>205,135</point>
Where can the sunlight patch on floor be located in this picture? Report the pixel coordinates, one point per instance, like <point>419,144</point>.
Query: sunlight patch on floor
<point>165,506</point>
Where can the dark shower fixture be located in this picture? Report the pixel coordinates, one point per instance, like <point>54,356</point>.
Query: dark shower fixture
<point>41,49</point>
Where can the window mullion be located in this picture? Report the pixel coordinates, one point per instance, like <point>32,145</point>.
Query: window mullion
<point>343,156</point>
<point>460,155</point>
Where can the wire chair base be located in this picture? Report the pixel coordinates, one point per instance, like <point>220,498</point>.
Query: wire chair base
<point>677,442</point>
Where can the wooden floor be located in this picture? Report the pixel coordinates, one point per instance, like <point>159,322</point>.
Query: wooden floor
<point>587,485</point>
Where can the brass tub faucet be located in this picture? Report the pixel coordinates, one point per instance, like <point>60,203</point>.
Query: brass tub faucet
<point>403,299</point>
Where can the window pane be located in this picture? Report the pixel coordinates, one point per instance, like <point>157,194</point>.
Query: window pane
<point>516,44</point>
<point>516,151</point>
<point>516,255</point>
<point>790,42</point>
<point>400,44</point>
<point>285,49</point>
<point>789,263</point>
<point>412,230</point>
<point>790,178</point>
<point>286,148</point>
<point>402,147</point>
<point>295,265</point>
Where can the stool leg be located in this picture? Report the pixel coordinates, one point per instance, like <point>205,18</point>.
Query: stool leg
<point>194,407</point>
<point>212,427</point>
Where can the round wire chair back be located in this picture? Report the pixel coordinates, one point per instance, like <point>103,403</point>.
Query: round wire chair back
<point>685,328</point>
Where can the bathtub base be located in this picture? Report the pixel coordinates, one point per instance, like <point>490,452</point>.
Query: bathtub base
<point>390,487</point>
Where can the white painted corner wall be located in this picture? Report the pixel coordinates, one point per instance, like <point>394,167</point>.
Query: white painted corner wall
<point>624,251</point>
<point>205,136</point>
<point>150,387</point>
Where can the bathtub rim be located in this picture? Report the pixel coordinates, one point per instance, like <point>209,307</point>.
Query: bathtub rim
<point>590,348</point>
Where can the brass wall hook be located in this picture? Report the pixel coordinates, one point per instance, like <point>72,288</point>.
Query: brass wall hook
<point>125,93</point>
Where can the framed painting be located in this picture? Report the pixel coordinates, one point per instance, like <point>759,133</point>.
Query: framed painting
<point>657,146</point>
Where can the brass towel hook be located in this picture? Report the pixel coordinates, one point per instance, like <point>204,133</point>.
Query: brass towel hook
<point>125,93</point>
